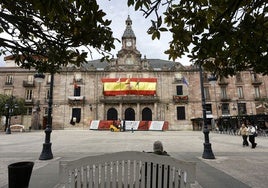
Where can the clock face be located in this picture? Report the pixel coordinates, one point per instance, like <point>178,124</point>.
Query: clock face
<point>129,43</point>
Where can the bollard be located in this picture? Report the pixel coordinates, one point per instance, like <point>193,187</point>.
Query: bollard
<point>19,174</point>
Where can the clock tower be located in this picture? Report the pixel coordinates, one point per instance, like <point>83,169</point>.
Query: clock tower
<point>129,55</point>
<point>129,38</point>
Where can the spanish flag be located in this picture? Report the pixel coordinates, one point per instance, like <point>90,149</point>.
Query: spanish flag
<point>129,86</point>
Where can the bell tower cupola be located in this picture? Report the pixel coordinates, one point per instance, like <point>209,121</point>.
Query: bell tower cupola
<point>128,38</point>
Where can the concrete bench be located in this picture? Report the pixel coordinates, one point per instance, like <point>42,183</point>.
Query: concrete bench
<point>129,169</point>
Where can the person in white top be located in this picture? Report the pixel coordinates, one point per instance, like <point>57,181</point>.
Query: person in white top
<point>251,135</point>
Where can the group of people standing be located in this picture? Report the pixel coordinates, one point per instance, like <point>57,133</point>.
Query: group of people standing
<point>248,133</point>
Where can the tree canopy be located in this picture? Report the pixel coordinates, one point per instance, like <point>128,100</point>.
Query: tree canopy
<point>48,34</point>
<point>11,102</point>
<point>225,36</point>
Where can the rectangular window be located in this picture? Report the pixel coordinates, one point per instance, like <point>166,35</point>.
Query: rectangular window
<point>179,90</point>
<point>240,92</point>
<point>254,77</point>
<point>48,78</point>
<point>257,92</point>
<point>77,91</point>
<point>29,94</point>
<point>223,93</point>
<point>206,93</point>
<point>225,109</point>
<point>242,109</point>
<point>9,79</point>
<point>238,77</point>
<point>208,109</point>
<point>8,92</point>
<point>30,78</point>
<point>180,113</point>
<point>47,94</point>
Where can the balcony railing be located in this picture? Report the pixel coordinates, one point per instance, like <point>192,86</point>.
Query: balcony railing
<point>256,81</point>
<point>180,98</point>
<point>8,83</point>
<point>260,98</point>
<point>129,99</point>
<point>225,99</point>
<point>76,100</point>
<point>29,101</point>
<point>28,83</point>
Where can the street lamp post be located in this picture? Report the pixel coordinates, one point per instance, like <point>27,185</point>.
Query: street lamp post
<point>46,153</point>
<point>207,153</point>
<point>10,109</point>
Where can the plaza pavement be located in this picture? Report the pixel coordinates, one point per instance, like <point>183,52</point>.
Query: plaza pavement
<point>234,167</point>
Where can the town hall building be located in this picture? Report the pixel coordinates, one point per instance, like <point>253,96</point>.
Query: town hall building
<point>132,87</point>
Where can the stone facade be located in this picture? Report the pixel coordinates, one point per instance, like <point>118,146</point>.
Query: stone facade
<point>78,91</point>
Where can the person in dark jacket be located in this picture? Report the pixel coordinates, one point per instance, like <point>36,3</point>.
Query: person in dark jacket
<point>158,148</point>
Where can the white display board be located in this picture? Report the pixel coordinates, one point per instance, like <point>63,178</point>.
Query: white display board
<point>94,124</point>
<point>156,125</point>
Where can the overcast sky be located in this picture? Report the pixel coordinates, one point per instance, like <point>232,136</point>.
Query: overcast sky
<point>117,11</point>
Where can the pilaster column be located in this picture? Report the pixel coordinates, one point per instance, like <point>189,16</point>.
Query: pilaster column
<point>138,111</point>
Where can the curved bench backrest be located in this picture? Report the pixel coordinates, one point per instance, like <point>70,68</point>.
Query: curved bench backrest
<point>127,169</point>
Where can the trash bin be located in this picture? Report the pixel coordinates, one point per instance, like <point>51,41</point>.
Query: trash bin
<point>19,174</point>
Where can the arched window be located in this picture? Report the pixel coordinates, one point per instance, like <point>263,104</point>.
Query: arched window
<point>112,114</point>
<point>146,114</point>
<point>130,114</point>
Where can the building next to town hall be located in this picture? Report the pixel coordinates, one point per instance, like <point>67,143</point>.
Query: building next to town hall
<point>132,87</point>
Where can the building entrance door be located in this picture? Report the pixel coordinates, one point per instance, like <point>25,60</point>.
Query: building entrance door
<point>146,114</point>
<point>129,114</point>
<point>112,114</point>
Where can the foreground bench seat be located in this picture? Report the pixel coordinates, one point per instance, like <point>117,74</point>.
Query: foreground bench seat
<point>129,169</point>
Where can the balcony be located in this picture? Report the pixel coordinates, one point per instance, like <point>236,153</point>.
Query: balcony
<point>256,81</point>
<point>28,83</point>
<point>128,99</point>
<point>29,101</point>
<point>260,98</point>
<point>180,98</point>
<point>76,100</point>
<point>8,83</point>
<point>225,99</point>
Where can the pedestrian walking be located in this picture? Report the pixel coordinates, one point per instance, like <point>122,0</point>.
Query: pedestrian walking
<point>124,125</point>
<point>243,131</point>
<point>252,135</point>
